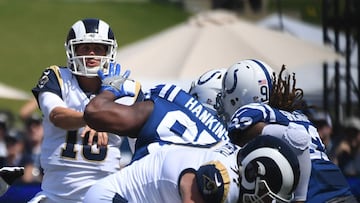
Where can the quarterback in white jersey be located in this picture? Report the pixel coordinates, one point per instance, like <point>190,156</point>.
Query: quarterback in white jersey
<point>74,156</point>
<point>263,171</point>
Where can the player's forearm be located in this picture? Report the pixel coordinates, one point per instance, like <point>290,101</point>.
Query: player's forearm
<point>66,118</point>
<point>105,115</point>
<point>100,113</point>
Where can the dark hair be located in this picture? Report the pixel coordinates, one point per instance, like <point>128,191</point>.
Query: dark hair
<point>285,95</point>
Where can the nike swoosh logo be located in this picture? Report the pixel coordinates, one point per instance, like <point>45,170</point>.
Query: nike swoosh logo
<point>218,184</point>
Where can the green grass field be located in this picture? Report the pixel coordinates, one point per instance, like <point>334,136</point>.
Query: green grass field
<point>32,32</point>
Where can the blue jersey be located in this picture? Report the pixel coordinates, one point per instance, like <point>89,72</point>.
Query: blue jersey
<point>177,118</point>
<point>326,180</point>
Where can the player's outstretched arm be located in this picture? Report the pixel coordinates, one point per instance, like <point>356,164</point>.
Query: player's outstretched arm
<point>105,115</point>
<point>66,118</point>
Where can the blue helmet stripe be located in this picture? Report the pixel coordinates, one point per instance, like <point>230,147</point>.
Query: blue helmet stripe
<point>267,74</point>
<point>91,25</point>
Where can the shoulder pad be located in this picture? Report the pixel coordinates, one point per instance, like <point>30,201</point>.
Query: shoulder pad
<point>56,70</point>
<point>50,80</point>
<point>297,138</point>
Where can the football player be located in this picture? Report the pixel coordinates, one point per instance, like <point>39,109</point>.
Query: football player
<point>167,115</point>
<point>73,155</point>
<point>262,103</point>
<point>265,170</point>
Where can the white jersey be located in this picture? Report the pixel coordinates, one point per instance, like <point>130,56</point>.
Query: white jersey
<point>154,178</point>
<point>70,165</point>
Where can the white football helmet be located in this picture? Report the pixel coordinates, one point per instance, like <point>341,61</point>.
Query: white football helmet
<point>245,82</point>
<point>269,171</point>
<point>207,87</point>
<point>89,31</point>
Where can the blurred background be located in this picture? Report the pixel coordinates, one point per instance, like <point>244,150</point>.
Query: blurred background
<point>177,40</point>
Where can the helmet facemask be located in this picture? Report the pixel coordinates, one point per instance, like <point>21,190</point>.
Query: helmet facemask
<point>220,107</point>
<point>263,194</point>
<point>269,171</point>
<point>77,63</point>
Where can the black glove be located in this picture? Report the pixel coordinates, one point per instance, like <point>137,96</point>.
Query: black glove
<point>10,174</point>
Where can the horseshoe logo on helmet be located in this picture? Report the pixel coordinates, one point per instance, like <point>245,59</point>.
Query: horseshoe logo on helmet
<point>200,81</point>
<point>232,89</point>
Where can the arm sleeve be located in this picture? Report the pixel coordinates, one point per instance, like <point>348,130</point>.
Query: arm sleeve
<point>299,141</point>
<point>305,171</point>
<point>48,101</point>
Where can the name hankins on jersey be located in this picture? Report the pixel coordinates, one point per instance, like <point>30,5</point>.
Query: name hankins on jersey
<point>209,120</point>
